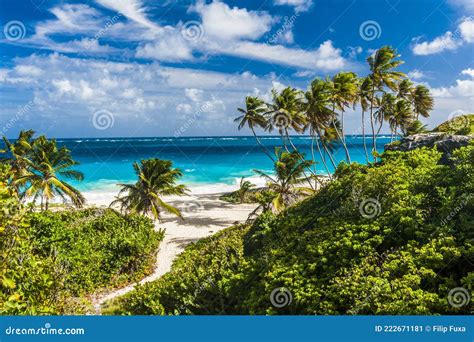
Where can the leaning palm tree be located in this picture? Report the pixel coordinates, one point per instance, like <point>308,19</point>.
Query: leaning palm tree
<point>286,112</point>
<point>253,116</point>
<point>156,178</point>
<point>344,93</point>
<point>289,171</point>
<point>382,66</point>
<point>364,98</point>
<point>47,168</point>
<point>422,101</point>
<point>400,116</point>
<point>318,119</point>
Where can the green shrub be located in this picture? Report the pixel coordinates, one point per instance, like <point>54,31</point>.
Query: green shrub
<point>97,248</point>
<point>335,255</point>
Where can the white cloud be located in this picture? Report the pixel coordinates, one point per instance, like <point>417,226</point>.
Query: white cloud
<point>439,44</point>
<point>326,57</point>
<point>222,22</point>
<point>193,94</point>
<point>142,96</point>
<point>416,74</point>
<point>448,41</point>
<point>466,29</point>
<point>168,46</point>
<point>467,5</point>
<point>299,5</point>
<point>28,70</point>
<point>132,9</point>
<point>469,72</point>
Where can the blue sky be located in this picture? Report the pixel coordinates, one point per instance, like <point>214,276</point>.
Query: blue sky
<point>103,68</point>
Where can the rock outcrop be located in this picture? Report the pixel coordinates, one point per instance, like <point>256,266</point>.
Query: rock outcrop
<point>445,143</point>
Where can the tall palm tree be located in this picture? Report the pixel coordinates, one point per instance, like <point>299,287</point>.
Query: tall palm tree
<point>364,97</point>
<point>156,178</point>
<point>253,116</point>
<point>289,174</point>
<point>382,74</point>
<point>344,94</point>
<point>47,167</point>
<point>286,112</point>
<point>318,118</point>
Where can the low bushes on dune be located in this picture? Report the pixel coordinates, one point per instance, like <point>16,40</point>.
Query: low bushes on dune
<point>391,238</point>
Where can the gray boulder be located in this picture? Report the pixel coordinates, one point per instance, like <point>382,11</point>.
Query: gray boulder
<point>445,143</point>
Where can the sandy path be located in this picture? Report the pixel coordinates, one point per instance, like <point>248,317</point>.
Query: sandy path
<point>204,216</point>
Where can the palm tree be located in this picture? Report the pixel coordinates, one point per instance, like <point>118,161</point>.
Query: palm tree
<point>289,173</point>
<point>344,91</point>
<point>244,188</point>
<point>286,112</point>
<point>47,167</point>
<point>415,127</point>
<point>399,114</point>
<point>364,96</point>
<point>382,66</point>
<point>253,116</point>
<point>156,178</point>
<point>422,101</point>
<point>16,153</point>
<point>318,118</point>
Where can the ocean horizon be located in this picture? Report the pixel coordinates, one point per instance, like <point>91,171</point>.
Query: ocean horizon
<point>209,164</point>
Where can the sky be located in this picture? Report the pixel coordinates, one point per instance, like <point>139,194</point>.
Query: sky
<point>135,68</point>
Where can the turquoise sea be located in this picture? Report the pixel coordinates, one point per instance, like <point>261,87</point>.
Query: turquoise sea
<point>205,161</point>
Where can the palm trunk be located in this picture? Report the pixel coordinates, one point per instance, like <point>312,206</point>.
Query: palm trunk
<point>348,158</point>
<point>326,149</point>
<point>344,138</point>
<point>46,204</point>
<point>302,159</point>
<point>265,150</point>
<point>363,137</point>
<point>374,143</point>
<point>320,153</point>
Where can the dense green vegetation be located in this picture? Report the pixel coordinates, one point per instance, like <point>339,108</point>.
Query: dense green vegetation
<point>51,261</point>
<point>462,124</point>
<point>97,247</point>
<point>391,238</point>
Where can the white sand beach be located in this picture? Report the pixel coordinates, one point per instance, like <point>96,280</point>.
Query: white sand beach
<point>204,215</point>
